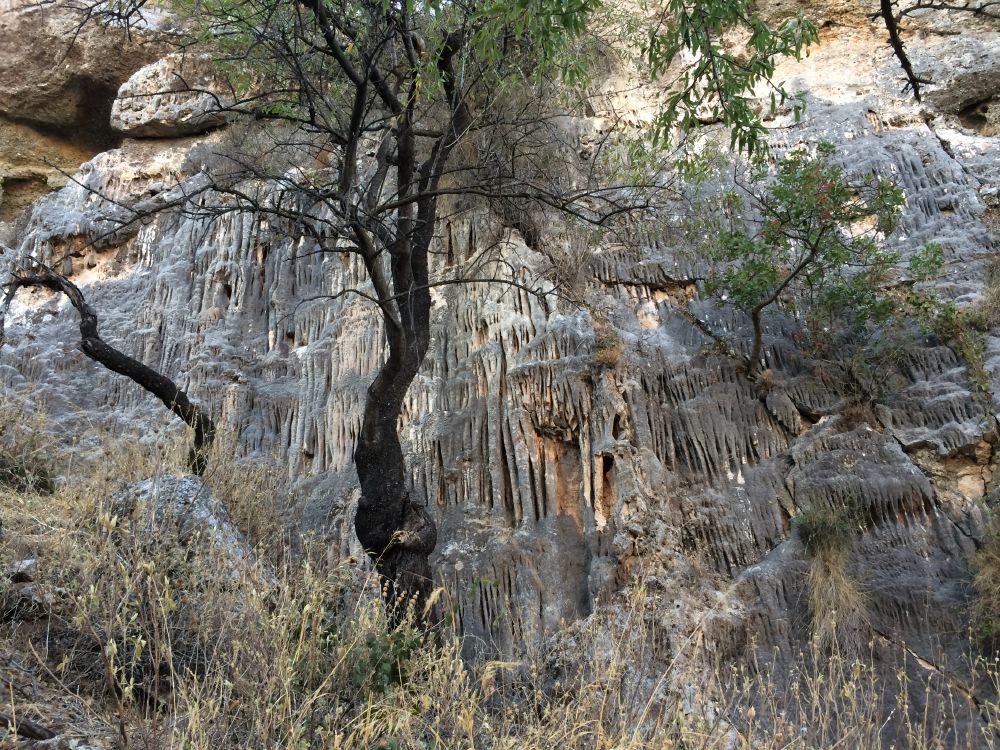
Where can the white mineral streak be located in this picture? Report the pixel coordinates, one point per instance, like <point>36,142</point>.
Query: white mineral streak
<point>553,476</point>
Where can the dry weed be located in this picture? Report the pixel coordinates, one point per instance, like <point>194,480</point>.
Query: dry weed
<point>28,454</point>
<point>142,644</point>
<point>838,605</point>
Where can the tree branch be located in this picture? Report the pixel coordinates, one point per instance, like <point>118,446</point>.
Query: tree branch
<point>97,349</point>
<point>897,46</point>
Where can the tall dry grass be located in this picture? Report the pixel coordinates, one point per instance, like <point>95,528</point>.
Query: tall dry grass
<point>142,642</point>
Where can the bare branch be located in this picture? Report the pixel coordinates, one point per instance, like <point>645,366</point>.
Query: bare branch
<point>896,43</point>
<point>175,399</point>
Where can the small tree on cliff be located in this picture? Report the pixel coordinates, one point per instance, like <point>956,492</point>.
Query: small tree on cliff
<point>813,243</point>
<point>810,242</point>
<point>387,92</point>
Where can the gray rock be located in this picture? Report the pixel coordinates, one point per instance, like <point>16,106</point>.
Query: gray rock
<point>62,742</point>
<point>57,75</point>
<point>963,71</point>
<point>57,84</point>
<point>170,510</point>
<point>22,571</point>
<point>178,95</point>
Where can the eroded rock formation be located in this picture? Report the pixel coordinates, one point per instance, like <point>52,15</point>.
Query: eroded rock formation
<point>558,465</point>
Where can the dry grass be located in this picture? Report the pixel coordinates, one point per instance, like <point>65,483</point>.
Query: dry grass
<point>987,585</point>
<point>608,349</point>
<point>26,457</point>
<point>837,604</point>
<point>141,642</point>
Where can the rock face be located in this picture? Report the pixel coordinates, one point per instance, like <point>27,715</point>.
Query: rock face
<point>557,465</point>
<point>56,93</point>
<point>965,76</point>
<point>175,96</point>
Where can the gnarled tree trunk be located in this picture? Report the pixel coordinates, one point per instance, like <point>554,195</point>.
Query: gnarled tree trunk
<point>395,530</point>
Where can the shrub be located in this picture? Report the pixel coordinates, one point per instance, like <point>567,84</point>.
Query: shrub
<point>810,241</point>
<point>608,348</point>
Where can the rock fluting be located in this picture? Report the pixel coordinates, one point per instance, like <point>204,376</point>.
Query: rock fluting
<point>555,471</point>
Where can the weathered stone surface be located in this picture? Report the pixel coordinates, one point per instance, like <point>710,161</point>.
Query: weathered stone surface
<point>556,475</point>
<point>55,79</point>
<point>963,75</point>
<point>22,571</point>
<point>169,510</point>
<point>56,91</point>
<point>177,95</point>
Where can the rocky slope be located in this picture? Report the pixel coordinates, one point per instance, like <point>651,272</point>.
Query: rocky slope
<point>558,467</point>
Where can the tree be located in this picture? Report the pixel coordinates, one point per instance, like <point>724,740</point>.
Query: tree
<point>814,243</point>
<point>386,92</point>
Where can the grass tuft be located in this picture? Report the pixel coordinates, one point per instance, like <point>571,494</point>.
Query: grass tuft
<point>151,641</point>
<point>27,454</point>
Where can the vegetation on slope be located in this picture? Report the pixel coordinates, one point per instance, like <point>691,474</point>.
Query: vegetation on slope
<point>148,641</point>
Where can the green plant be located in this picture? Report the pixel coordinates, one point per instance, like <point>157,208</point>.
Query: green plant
<point>382,660</point>
<point>815,245</point>
<point>722,80</point>
<point>810,242</point>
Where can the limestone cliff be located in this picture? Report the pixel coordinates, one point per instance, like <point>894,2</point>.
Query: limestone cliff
<point>557,472</point>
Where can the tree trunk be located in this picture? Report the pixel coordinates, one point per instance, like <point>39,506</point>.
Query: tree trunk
<point>396,532</point>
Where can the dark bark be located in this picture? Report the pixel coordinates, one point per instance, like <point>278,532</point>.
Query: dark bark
<point>149,379</point>
<point>757,310</point>
<point>885,10</point>
<point>396,531</point>
<point>27,729</point>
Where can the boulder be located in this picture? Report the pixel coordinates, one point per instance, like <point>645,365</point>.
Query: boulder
<point>181,513</point>
<point>22,571</point>
<point>177,96</point>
